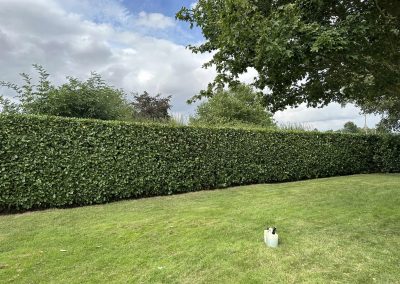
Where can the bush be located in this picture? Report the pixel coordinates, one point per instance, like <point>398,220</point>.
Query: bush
<point>238,107</point>
<point>92,98</point>
<point>59,162</point>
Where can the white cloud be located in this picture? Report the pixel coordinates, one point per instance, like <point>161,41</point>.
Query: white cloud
<point>333,116</point>
<point>154,20</point>
<point>103,11</point>
<point>144,76</point>
<point>113,12</point>
<point>193,5</point>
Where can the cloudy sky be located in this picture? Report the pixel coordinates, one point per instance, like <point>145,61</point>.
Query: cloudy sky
<point>135,44</point>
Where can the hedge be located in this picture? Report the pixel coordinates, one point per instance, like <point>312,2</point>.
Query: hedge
<point>387,155</point>
<point>58,162</point>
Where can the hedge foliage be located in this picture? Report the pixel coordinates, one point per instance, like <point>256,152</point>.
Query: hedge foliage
<point>58,162</point>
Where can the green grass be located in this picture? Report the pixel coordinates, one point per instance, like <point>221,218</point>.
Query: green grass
<point>344,229</point>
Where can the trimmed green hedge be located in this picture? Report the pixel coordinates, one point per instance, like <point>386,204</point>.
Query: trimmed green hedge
<point>58,162</point>
<point>387,155</point>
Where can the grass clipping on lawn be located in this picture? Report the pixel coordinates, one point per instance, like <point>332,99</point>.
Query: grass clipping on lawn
<point>344,229</point>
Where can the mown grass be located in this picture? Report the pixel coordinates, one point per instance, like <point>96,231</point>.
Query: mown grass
<point>344,229</point>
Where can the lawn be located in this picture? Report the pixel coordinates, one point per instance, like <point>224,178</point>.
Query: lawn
<point>343,229</point>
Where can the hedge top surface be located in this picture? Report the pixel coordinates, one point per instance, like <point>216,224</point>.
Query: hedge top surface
<point>165,125</point>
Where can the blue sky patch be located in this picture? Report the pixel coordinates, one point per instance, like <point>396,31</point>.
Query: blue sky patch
<point>181,33</point>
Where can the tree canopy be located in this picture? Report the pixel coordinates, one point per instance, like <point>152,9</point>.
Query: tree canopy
<point>239,106</point>
<point>351,127</point>
<point>306,51</point>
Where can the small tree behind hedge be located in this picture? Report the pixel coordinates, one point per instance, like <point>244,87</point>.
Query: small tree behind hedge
<point>92,98</point>
<point>151,108</point>
<point>351,127</point>
<point>240,107</point>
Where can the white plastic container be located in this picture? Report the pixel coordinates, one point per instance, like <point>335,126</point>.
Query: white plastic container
<point>266,232</point>
<point>273,240</point>
<point>271,237</point>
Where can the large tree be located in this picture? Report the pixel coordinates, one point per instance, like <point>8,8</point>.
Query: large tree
<point>306,51</point>
<point>238,107</point>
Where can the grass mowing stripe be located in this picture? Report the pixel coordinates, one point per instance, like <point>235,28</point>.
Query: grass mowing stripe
<point>342,229</point>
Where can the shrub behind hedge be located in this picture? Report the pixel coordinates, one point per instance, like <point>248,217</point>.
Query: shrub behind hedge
<point>57,162</point>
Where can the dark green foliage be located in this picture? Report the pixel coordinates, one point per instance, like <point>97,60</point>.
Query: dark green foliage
<point>58,162</point>
<point>351,127</point>
<point>387,155</point>
<point>151,108</point>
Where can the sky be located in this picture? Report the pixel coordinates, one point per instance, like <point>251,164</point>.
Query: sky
<point>136,45</point>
